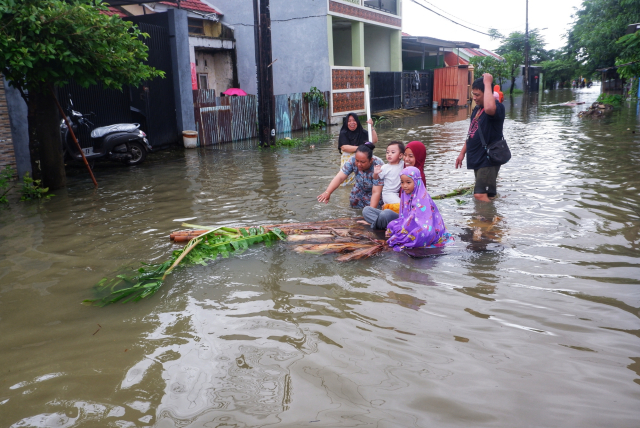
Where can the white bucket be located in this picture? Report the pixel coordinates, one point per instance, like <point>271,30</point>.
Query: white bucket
<point>435,105</point>
<point>190,139</point>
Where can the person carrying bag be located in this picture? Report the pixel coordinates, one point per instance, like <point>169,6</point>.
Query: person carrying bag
<point>486,125</point>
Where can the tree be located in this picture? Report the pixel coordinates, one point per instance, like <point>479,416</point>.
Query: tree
<point>516,42</point>
<point>491,65</point>
<point>597,27</point>
<point>630,55</point>
<point>44,44</point>
<point>513,62</point>
<point>560,68</point>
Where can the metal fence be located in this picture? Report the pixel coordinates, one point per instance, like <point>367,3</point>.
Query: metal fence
<point>226,119</point>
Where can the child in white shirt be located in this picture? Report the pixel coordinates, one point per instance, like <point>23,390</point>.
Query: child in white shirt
<point>390,173</point>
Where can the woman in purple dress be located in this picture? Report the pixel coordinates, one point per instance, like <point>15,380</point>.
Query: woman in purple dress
<point>420,224</point>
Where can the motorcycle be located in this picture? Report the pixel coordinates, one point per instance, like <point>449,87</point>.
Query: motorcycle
<point>123,142</point>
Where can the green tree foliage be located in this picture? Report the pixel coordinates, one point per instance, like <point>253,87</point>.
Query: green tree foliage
<point>491,65</point>
<point>630,55</point>
<point>597,27</point>
<point>513,62</point>
<point>516,42</point>
<point>45,43</point>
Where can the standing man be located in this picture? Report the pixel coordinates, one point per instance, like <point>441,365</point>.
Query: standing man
<point>488,118</point>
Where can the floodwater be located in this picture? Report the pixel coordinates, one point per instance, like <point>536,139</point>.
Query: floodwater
<point>530,320</point>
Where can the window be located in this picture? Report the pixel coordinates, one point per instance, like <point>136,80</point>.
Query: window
<point>203,81</point>
<point>389,6</point>
<point>196,26</point>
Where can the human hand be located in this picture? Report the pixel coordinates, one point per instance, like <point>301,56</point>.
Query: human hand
<point>459,160</point>
<point>487,78</point>
<point>324,197</point>
<point>377,169</point>
<point>370,122</point>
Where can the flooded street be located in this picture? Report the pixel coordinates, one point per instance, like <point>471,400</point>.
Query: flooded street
<point>531,319</point>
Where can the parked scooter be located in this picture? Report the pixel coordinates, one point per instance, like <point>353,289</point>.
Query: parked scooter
<point>122,142</point>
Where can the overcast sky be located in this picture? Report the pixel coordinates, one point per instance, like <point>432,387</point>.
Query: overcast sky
<point>505,15</point>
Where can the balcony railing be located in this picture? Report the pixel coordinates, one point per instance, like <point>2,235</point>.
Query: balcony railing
<point>388,6</point>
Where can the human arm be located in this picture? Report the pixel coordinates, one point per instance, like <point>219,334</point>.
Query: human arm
<point>374,135</point>
<point>376,194</point>
<point>460,157</point>
<point>489,100</point>
<point>348,149</point>
<point>335,183</point>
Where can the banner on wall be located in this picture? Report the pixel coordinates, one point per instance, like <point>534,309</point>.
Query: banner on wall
<point>194,77</point>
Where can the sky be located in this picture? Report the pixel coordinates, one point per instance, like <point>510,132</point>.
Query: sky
<point>505,15</point>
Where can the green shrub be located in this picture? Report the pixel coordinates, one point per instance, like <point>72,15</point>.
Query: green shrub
<point>614,100</point>
<point>31,189</point>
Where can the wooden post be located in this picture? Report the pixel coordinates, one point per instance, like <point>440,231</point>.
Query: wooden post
<point>264,73</point>
<point>267,64</point>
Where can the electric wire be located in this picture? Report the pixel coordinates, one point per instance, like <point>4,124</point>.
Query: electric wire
<point>457,23</point>
<point>470,23</point>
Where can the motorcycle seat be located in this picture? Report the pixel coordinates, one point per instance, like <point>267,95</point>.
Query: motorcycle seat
<point>120,127</point>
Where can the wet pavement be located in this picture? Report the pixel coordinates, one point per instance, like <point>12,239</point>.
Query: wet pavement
<point>531,319</point>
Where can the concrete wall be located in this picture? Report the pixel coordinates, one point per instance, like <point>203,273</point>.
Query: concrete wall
<point>218,66</point>
<point>342,47</point>
<point>7,155</point>
<point>377,48</point>
<point>299,40</point>
<point>17,115</point>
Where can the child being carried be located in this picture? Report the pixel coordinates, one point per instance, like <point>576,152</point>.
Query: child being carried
<point>390,173</point>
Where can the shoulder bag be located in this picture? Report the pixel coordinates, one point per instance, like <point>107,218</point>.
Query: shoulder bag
<point>498,152</point>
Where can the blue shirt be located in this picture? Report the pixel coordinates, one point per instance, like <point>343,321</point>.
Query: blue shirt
<point>361,193</point>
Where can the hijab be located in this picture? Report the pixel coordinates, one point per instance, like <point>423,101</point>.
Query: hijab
<point>420,224</point>
<point>420,153</point>
<point>352,138</point>
<point>496,89</point>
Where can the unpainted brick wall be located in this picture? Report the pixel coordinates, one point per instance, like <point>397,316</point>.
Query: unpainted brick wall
<point>7,156</point>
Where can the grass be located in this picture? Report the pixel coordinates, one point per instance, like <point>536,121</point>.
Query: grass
<point>517,91</point>
<point>309,140</point>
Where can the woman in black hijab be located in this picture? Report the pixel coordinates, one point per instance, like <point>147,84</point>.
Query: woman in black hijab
<point>353,134</point>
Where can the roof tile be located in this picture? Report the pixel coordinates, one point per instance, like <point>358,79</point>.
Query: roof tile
<point>193,5</point>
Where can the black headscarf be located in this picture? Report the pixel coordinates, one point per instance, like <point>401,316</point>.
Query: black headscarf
<point>352,138</point>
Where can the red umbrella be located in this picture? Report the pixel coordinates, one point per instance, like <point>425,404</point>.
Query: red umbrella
<point>235,91</point>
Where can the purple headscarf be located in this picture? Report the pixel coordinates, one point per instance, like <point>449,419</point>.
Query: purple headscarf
<point>420,224</point>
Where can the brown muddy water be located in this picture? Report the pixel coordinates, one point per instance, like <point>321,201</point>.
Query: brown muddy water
<point>534,323</point>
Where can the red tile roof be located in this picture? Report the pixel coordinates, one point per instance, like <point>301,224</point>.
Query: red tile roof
<point>406,34</point>
<point>113,11</point>
<point>193,5</point>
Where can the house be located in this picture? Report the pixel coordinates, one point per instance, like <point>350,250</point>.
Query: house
<point>329,44</point>
<point>211,42</point>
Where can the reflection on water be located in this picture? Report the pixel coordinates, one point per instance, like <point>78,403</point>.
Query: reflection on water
<point>530,319</point>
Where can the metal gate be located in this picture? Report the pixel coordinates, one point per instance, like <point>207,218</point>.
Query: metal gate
<point>154,100</point>
<point>386,91</point>
<point>417,89</point>
<point>151,104</point>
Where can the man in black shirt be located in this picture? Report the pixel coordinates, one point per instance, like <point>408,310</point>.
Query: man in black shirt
<point>488,118</point>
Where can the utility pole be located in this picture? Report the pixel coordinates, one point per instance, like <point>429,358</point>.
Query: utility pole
<point>264,72</point>
<point>526,52</point>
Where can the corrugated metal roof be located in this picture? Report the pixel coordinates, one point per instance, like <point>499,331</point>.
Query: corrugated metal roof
<point>193,5</point>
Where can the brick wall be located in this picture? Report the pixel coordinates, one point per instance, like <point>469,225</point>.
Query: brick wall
<point>7,156</point>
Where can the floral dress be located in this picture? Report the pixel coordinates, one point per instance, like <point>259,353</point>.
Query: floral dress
<point>364,182</point>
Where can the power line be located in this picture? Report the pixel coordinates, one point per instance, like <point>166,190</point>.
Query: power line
<point>470,23</point>
<point>457,23</point>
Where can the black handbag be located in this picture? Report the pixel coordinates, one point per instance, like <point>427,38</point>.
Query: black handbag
<point>498,152</point>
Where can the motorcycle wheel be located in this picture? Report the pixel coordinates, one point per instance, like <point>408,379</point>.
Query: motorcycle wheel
<point>138,153</point>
